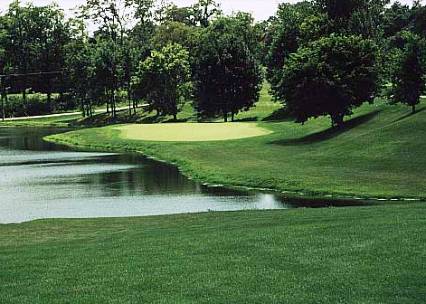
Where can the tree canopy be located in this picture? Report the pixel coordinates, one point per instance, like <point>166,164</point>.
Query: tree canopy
<point>227,75</point>
<point>163,79</point>
<point>330,77</point>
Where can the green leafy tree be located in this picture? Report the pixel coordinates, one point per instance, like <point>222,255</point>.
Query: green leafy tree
<point>356,17</point>
<point>227,76</point>
<point>329,77</point>
<point>284,37</point>
<point>20,46</point>
<point>174,32</point>
<point>174,13</point>
<point>396,18</point>
<point>164,79</point>
<point>409,82</point>
<point>419,18</point>
<point>112,17</point>
<point>80,73</point>
<point>53,34</point>
<point>204,11</point>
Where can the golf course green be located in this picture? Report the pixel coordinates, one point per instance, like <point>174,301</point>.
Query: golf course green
<point>187,132</point>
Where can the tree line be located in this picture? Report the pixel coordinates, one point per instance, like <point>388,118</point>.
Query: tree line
<point>321,57</point>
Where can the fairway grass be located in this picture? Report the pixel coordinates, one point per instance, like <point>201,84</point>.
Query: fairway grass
<point>190,132</point>
<point>368,255</point>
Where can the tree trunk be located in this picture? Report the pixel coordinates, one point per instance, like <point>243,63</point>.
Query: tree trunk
<point>83,110</point>
<point>112,104</point>
<point>3,112</point>
<point>129,99</point>
<point>337,120</point>
<point>225,116</point>
<point>413,109</point>
<point>175,117</point>
<point>3,93</point>
<point>49,101</point>
<point>24,100</point>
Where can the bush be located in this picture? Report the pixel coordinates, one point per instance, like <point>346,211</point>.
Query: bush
<point>37,104</point>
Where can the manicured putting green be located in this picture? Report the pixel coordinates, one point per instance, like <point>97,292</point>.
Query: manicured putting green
<point>190,132</point>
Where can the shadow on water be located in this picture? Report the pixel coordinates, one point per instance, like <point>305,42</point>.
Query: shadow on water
<point>329,133</point>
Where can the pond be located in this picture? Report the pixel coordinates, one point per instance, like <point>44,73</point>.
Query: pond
<point>40,180</point>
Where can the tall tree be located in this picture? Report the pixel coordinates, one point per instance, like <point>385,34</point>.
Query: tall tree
<point>80,71</point>
<point>396,18</point>
<point>53,33</point>
<point>409,81</point>
<point>204,11</point>
<point>227,76</point>
<point>285,37</point>
<point>113,18</point>
<point>358,17</point>
<point>164,79</point>
<point>419,18</point>
<point>20,43</point>
<point>329,77</point>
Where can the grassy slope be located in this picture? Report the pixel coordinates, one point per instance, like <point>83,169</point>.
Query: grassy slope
<point>349,255</point>
<point>381,153</point>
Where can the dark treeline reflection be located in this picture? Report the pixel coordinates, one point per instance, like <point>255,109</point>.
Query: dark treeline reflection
<point>146,176</point>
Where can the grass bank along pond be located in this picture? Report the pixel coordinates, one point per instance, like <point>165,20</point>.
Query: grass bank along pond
<point>379,154</point>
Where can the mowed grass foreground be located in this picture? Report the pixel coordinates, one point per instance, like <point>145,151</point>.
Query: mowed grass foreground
<point>349,255</point>
<point>379,154</point>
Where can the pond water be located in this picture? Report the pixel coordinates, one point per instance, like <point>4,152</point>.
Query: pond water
<point>40,180</point>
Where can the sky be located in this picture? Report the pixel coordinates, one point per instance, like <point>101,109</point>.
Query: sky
<point>261,9</point>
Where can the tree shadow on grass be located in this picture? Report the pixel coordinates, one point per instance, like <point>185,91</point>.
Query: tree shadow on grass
<point>410,114</point>
<point>329,133</point>
<point>279,115</point>
<point>247,119</point>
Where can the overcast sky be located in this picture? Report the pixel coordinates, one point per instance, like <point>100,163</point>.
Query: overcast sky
<point>261,9</point>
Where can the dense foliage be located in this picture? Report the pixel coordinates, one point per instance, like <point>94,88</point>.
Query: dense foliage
<point>164,79</point>
<point>228,77</point>
<point>409,81</point>
<point>325,78</point>
<point>43,51</point>
<point>325,57</point>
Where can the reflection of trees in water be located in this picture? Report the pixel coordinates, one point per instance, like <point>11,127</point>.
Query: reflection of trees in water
<point>28,139</point>
<point>148,177</point>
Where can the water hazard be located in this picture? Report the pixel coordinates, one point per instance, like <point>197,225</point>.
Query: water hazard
<point>40,180</point>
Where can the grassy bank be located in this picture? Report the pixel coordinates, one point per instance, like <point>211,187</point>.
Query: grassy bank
<point>380,153</point>
<point>349,255</point>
